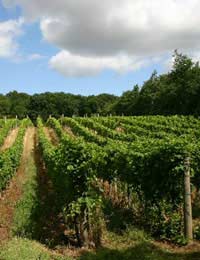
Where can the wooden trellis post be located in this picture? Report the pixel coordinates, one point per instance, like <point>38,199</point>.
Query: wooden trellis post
<point>187,201</point>
<point>16,117</point>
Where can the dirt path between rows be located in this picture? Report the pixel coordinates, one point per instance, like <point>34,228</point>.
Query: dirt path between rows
<point>11,195</point>
<point>69,131</point>
<point>10,139</point>
<point>51,135</point>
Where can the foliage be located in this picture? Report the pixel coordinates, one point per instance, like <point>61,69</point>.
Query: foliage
<point>10,158</point>
<point>149,165</point>
<point>152,165</point>
<point>173,93</point>
<point>6,127</point>
<point>70,166</point>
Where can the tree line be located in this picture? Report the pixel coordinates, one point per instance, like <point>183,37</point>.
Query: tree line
<point>55,104</point>
<point>175,92</point>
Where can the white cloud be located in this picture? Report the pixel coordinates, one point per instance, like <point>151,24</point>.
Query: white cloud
<point>75,65</point>
<point>135,27</point>
<point>9,31</point>
<point>98,32</point>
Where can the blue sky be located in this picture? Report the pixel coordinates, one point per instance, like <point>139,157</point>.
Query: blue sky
<point>42,50</point>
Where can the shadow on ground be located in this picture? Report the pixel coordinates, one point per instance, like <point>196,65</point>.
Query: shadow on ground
<point>117,218</point>
<point>141,251</point>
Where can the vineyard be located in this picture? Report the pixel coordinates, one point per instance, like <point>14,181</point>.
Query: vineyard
<point>89,168</point>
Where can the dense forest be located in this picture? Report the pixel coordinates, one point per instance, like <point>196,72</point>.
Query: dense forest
<point>176,92</point>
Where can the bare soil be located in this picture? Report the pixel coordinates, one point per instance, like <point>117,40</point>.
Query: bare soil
<point>192,247</point>
<point>119,129</point>
<point>11,195</point>
<point>10,139</point>
<point>68,130</point>
<point>51,135</point>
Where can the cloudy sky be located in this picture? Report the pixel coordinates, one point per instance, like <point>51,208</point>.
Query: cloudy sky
<point>91,46</point>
